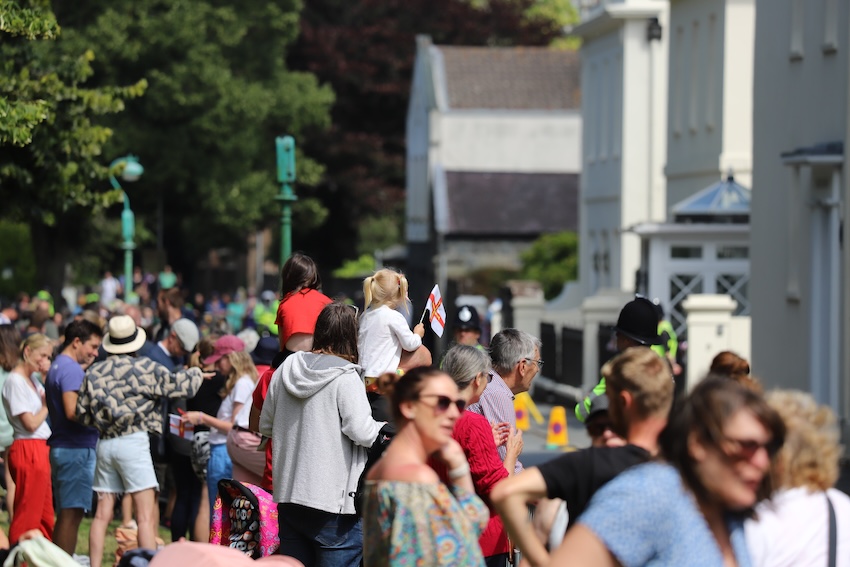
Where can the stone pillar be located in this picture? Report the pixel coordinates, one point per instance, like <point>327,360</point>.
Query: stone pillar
<point>527,303</point>
<point>598,311</point>
<point>709,319</point>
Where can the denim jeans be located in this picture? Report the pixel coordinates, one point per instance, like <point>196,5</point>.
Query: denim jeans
<point>219,467</point>
<point>320,538</point>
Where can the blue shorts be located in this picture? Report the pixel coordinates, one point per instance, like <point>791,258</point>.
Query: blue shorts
<point>73,475</point>
<point>124,465</point>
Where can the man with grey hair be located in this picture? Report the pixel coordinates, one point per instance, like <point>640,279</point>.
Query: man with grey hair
<point>516,361</point>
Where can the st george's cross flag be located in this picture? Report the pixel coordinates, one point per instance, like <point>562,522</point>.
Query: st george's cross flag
<point>437,311</point>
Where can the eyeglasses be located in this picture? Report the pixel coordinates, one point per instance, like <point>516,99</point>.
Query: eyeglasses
<point>539,363</point>
<point>444,402</point>
<point>746,449</point>
<point>356,309</point>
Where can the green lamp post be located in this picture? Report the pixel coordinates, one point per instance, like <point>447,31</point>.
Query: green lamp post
<point>285,150</point>
<point>129,168</point>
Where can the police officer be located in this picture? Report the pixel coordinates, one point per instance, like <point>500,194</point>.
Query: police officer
<point>467,326</point>
<point>637,325</point>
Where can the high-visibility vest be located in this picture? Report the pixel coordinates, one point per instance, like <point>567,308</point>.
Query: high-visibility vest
<point>672,345</point>
<point>583,407</point>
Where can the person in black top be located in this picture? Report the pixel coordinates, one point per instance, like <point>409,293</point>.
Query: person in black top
<point>640,393</point>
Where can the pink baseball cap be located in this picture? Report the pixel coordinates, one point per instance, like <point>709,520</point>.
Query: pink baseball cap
<point>184,553</point>
<point>224,346</point>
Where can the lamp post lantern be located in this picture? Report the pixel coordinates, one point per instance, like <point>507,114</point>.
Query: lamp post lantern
<point>285,150</point>
<point>129,168</point>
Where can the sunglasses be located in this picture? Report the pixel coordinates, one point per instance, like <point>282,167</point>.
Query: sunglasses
<point>746,449</point>
<point>444,402</point>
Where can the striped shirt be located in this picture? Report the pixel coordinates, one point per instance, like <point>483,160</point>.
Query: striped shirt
<point>497,405</point>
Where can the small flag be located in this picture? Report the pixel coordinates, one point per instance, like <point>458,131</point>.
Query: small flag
<point>437,310</point>
<point>180,428</point>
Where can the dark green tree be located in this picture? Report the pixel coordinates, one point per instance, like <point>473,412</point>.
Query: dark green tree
<point>51,165</point>
<point>552,260</point>
<point>365,51</point>
<point>219,92</point>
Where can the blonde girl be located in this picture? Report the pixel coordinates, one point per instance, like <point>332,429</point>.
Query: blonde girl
<point>231,360</point>
<point>29,461</point>
<point>385,342</point>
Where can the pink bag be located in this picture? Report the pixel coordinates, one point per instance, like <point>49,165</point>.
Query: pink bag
<point>245,518</point>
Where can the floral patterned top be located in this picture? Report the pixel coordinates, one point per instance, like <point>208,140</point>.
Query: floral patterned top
<point>406,523</point>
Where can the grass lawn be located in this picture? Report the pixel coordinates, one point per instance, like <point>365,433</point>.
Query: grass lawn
<point>110,545</point>
<point>83,537</point>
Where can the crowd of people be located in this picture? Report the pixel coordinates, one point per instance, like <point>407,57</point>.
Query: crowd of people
<point>373,455</point>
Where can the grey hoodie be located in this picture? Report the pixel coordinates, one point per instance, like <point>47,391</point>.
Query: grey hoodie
<point>320,422</point>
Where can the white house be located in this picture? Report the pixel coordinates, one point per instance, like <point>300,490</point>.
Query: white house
<point>493,157</point>
<point>800,297</point>
<point>704,246</point>
<point>624,81</point>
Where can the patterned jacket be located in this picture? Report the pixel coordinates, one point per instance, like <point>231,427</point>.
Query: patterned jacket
<point>122,394</point>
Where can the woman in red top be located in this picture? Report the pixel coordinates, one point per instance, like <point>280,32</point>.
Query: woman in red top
<point>300,303</point>
<point>468,367</point>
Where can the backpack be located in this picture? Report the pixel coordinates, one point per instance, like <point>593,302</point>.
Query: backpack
<point>245,518</point>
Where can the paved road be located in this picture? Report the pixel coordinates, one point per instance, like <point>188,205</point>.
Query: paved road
<point>534,449</point>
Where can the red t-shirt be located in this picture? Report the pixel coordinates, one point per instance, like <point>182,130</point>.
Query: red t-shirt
<point>297,313</point>
<point>474,434</point>
<point>258,398</point>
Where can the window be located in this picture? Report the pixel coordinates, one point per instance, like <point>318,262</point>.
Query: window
<point>797,22</point>
<point>695,72</point>
<point>686,252</point>
<point>732,252</point>
<point>830,27</point>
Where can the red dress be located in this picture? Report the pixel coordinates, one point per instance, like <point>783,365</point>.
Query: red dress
<point>475,436</point>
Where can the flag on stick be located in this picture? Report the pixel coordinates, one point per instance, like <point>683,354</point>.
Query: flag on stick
<point>437,311</point>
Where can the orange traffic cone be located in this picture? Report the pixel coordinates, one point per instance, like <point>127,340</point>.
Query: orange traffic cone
<point>521,411</point>
<point>558,434</point>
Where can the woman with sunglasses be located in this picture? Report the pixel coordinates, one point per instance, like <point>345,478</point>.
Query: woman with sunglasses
<point>321,425</point>
<point>409,515</point>
<point>690,509</point>
<point>468,366</point>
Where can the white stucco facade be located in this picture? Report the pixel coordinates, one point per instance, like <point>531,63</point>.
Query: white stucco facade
<point>624,86</point>
<point>710,93</point>
<point>507,141</point>
<point>799,267</point>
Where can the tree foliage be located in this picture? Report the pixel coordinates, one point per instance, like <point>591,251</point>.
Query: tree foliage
<point>51,142</point>
<point>365,51</point>
<point>219,92</point>
<point>553,261</point>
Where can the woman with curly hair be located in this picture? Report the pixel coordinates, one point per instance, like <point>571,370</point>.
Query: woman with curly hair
<point>791,529</point>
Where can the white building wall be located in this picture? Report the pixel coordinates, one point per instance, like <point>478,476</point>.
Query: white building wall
<point>624,97</point>
<point>532,141</point>
<point>602,112</point>
<point>800,94</point>
<point>417,185</point>
<point>710,90</point>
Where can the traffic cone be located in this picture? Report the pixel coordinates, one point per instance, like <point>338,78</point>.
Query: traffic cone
<point>531,407</point>
<point>557,435</point>
<point>521,411</point>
